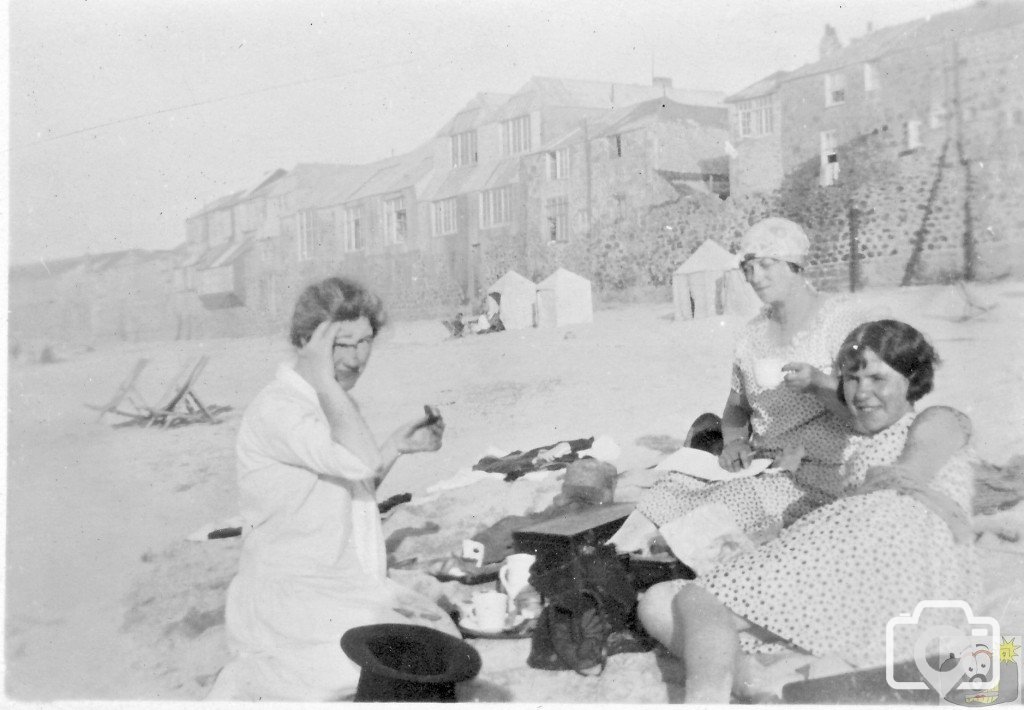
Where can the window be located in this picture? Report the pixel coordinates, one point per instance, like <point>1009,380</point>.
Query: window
<point>557,215</point>
<point>464,149</point>
<point>937,116</point>
<point>308,234</point>
<point>515,135</point>
<point>615,146</point>
<point>496,207</point>
<point>870,76</point>
<point>353,234</point>
<point>395,220</point>
<point>558,164</point>
<point>912,134</point>
<point>445,217</point>
<point>756,117</point>
<point>829,159</point>
<point>835,89</point>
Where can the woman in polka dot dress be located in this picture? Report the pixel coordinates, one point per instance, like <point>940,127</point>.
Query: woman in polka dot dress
<point>830,582</point>
<point>783,398</point>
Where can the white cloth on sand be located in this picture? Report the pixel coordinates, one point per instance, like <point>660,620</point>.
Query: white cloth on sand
<point>313,562</point>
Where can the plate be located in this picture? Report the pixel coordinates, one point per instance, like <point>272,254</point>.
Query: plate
<point>521,628</point>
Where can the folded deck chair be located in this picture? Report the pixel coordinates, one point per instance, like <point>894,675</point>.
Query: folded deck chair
<point>180,404</point>
<point>126,393</point>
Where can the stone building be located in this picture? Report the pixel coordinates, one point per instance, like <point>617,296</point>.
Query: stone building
<point>907,140</point>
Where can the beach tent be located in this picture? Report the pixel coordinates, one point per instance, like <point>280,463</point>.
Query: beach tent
<point>517,302</point>
<point>710,283</point>
<point>564,298</point>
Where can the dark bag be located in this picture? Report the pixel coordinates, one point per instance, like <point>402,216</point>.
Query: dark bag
<point>589,595</point>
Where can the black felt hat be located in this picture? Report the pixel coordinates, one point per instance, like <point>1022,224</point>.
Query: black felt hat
<point>404,662</point>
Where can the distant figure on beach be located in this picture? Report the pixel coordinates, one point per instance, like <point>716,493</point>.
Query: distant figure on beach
<point>830,583</point>
<point>313,561</point>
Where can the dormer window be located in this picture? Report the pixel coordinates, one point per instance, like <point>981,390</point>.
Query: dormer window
<point>464,149</point>
<point>515,135</point>
<point>835,89</point>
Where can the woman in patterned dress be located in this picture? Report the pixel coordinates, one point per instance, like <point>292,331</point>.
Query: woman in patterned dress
<point>796,419</point>
<point>831,581</point>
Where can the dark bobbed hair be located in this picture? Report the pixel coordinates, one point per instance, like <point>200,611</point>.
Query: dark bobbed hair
<point>336,298</point>
<point>900,346</point>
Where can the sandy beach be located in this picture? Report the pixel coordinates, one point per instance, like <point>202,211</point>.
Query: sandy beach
<point>108,600</point>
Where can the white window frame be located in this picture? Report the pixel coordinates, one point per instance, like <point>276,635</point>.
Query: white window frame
<point>445,216</point>
<point>756,117</point>
<point>835,89</point>
<point>396,220</point>
<point>354,238</point>
<point>306,229</point>
<point>558,164</point>
<point>829,159</point>
<point>496,207</point>
<point>515,135</point>
<point>464,151</point>
<point>871,78</point>
<point>556,219</point>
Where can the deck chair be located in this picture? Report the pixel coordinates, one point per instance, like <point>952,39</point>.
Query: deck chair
<point>126,393</point>
<point>179,403</point>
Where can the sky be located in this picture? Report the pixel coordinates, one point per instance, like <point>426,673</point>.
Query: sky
<point>126,116</point>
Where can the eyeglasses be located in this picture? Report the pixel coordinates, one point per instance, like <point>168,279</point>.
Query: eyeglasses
<point>359,346</point>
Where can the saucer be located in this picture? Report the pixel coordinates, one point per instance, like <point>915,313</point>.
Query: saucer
<point>517,628</point>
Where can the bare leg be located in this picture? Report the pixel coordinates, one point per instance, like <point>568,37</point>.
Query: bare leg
<point>705,639</point>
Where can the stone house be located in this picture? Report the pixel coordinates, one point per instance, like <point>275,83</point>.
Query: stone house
<point>910,139</point>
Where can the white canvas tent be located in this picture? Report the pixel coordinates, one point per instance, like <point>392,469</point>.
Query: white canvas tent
<point>710,283</point>
<point>564,298</point>
<point>518,300</point>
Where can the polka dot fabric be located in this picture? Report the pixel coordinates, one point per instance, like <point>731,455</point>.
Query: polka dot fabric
<point>831,581</point>
<point>780,418</point>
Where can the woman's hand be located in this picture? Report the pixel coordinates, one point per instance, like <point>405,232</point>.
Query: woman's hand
<point>735,455</point>
<point>801,376</point>
<point>423,434</point>
<point>316,358</point>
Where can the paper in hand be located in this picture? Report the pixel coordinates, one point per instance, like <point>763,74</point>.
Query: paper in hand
<point>704,465</point>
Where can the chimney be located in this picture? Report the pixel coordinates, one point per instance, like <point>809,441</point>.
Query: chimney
<point>829,44</point>
<point>662,82</point>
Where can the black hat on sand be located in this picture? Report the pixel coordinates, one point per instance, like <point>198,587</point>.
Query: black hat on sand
<point>404,662</point>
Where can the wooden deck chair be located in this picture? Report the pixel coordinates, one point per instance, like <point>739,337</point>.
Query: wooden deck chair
<point>126,392</point>
<point>180,404</point>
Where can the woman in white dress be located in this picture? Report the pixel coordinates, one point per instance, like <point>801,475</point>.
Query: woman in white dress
<point>313,562</point>
<point>830,582</point>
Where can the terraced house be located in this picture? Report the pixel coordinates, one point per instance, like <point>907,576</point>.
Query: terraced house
<point>511,181</point>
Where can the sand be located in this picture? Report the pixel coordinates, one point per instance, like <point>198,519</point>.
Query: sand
<point>107,599</point>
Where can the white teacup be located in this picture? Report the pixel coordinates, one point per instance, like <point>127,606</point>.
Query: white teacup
<point>515,573</point>
<point>488,611</point>
<point>768,372</point>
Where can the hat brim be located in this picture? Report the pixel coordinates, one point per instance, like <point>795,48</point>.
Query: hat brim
<point>452,659</point>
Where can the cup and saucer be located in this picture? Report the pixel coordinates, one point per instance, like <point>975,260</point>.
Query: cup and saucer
<point>487,616</point>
